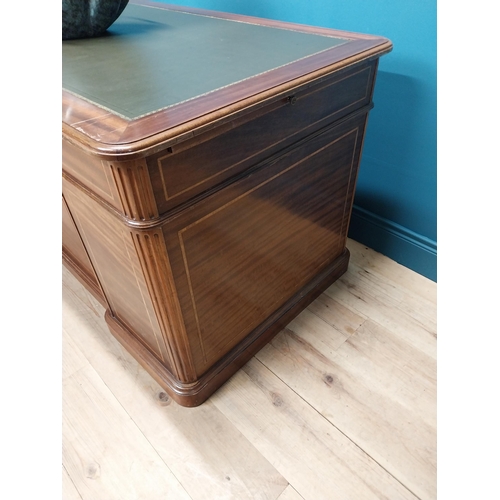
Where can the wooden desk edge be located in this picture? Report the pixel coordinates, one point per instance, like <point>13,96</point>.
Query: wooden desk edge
<point>77,133</point>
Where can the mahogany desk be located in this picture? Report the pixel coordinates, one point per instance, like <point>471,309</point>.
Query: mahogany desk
<point>209,167</point>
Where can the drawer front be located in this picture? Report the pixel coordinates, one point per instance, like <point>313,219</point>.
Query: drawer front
<point>199,164</point>
<point>125,184</point>
<point>91,172</point>
<point>242,253</point>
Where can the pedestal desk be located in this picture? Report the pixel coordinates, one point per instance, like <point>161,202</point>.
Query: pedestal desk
<point>209,167</point>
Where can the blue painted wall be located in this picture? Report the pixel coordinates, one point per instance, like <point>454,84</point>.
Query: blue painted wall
<point>395,208</point>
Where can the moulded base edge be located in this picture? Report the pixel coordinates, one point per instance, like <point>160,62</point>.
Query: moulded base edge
<point>195,393</point>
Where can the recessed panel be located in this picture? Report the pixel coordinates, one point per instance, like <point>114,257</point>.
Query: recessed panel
<point>246,251</point>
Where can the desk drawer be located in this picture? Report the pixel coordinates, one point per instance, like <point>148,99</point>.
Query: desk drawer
<point>194,166</point>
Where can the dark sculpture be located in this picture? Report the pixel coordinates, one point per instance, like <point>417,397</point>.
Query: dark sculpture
<point>89,18</point>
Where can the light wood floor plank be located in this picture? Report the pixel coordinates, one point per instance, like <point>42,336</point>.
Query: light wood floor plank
<point>349,292</point>
<point>72,358</point>
<point>335,314</point>
<point>69,491</point>
<point>422,310</point>
<point>317,460</point>
<point>290,494</point>
<point>308,323</point>
<point>203,449</point>
<point>105,454</point>
<point>375,389</point>
<point>391,271</point>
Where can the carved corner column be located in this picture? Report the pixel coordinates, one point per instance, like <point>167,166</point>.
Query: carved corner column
<point>141,218</point>
<point>134,190</point>
<point>152,252</point>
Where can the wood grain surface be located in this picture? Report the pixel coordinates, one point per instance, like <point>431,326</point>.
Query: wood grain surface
<point>195,286</point>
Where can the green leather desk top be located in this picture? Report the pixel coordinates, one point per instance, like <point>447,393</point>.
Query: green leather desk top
<point>163,73</point>
<point>154,58</point>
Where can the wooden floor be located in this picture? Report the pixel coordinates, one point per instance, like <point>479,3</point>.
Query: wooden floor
<point>341,405</point>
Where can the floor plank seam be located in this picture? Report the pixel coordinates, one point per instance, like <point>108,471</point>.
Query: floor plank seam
<point>343,433</point>
<point>71,479</point>
<point>349,334</point>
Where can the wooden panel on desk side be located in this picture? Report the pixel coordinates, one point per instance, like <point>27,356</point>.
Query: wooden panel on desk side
<point>118,267</point>
<point>72,243</point>
<point>91,171</point>
<point>240,254</point>
<point>76,256</point>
